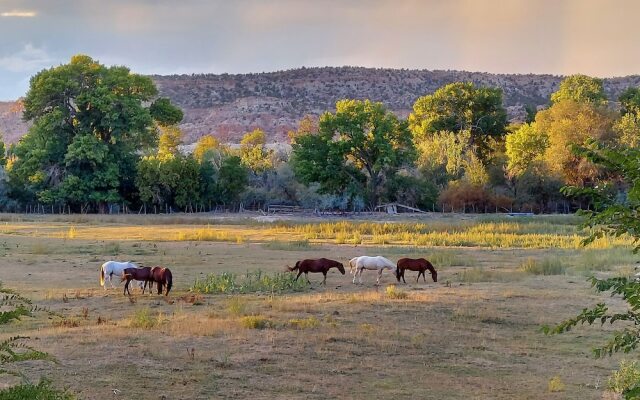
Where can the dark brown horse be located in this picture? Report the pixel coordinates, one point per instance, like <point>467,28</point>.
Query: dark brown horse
<point>320,265</point>
<point>162,276</point>
<point>142,274</point>
<point>419,264</point>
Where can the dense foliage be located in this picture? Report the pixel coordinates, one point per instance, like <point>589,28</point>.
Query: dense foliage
<point>101,139</point>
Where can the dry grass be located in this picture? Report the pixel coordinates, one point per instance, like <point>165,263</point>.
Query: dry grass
<point>478,334</point>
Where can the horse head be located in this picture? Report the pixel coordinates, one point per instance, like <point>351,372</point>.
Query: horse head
<point>341,268</point>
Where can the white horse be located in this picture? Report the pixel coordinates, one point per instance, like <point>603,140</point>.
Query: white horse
<point>379,263</point>
<point>111,268</point>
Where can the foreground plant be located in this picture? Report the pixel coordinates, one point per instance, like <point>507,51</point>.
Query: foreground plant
<point>612,217</point>
<point>16,349</point>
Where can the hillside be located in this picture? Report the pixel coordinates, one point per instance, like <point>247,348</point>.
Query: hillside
<point>230,105</point>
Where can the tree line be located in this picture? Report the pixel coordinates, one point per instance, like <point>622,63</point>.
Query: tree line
<point>100,136</point>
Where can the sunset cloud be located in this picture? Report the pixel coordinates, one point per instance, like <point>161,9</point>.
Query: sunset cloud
<point>18,14</point>
<point>595,37</point>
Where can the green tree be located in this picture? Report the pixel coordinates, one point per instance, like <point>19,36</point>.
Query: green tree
<point>358,145</point>
<point>460,107</point>
<point>581,89</point>
<point>89,123</point>
<point>232,180</point>
<point>612,217</point>
<point>523,147</point>
<point>628,129</point>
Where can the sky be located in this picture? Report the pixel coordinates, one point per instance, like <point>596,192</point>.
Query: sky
<point>595,37</point>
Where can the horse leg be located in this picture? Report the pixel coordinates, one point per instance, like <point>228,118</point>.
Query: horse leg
<point>299,273</point>
<point>379,276</point>
<point>402,274</point>
<point>111,280</point>
<point>126,288</point>
<point>355,274</point>
<point>424,278</point>
<point>306,275</point>
<point>324,281</point>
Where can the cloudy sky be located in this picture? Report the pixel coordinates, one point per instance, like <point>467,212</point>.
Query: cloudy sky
<point>596,37</point>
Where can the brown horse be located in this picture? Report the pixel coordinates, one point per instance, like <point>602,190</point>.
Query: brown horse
<point>419,264</point>
<point>320,265</point>
<point>162,276</point>
<point>142,274</point>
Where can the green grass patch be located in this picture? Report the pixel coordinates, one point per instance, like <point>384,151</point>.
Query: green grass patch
<point>294,245</point>
<point>250,282</point>
<point>547,266</point>
<point>480,274</point>
<point>42,391</point>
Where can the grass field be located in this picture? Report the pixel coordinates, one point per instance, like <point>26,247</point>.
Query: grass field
<point>473,335</point>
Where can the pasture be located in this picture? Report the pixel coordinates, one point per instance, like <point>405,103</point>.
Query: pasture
<point>475,334</point>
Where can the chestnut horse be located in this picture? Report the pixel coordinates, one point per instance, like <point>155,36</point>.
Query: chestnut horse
<point>320,265</point>
<point>142,274</point>
<point>162,276</point>
<point>419,264</point>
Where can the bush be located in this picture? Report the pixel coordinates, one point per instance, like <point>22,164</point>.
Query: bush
<point>556,384</point>
<point>393,292</point>
<point>255,322</point>
<point>142,318</point>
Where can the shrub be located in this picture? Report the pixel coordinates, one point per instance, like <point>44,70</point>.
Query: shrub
<point>142,318</point>
<point>625,378</point>
<point>255,322</point>
<point>556,384</point>
<point>237,306</point>
<point>393,292</point>
<point>304,323</point>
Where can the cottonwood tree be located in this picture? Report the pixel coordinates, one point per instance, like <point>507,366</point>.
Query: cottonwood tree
<point>356,148</point>
<point>458,107</point>
<point>89,123</point>
<point>580,89</point>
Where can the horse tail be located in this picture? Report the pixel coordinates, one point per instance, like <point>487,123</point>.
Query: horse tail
<point>294,268</point>
<point>102,275</point>
<point>169,280</point>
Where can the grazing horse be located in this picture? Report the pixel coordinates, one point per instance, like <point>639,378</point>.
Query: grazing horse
<point>379,263</point>
<point>162,276</point>
<point>142,274</point>
<point>419,264</point>
<point>111,268</point>
<point>320,265</point>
